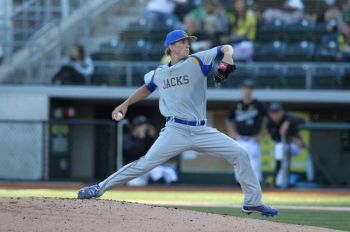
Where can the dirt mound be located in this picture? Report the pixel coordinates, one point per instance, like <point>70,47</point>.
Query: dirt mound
<point>49,214</point>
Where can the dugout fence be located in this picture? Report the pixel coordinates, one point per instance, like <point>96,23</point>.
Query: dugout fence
<point>88,150</point>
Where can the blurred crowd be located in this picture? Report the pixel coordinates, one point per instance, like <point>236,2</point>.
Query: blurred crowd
<point>236,21</point>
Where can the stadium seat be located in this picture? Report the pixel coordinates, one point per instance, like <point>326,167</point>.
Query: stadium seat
<point>138,73</point>
<point>110,76</point>
<point>346,79</point>
<point>268,32</point>
<point>269,77</point>
<point>272,51</point>
<point>155,52</point>
<point>298,32</point>
<point>295,78</point>
<point>156,36</point>
<point>326,52</point>
<point>157,21</point>
<point>242,73</point>
<point>320,32</point>
<point>101,56</point>
<point>137,32</point>
<point>132,33</point>
<point>302,51</point>
<point>326,77</point>
<point>130,51</point>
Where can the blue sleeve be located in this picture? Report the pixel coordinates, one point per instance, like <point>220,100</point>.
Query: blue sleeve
<point>149,81</point>
<point>205,58</point>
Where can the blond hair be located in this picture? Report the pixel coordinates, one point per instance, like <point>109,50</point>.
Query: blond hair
<point>167,51</point>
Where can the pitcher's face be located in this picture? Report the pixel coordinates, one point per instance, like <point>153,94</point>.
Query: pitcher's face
<point>180,49</point>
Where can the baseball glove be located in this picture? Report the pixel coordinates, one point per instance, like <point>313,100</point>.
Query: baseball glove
<point>222,72</point>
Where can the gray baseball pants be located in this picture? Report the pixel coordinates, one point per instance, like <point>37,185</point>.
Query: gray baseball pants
<point>176,138</point>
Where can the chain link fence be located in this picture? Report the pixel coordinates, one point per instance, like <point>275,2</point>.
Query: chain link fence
<point>22,150</point>
<point>57,150</point>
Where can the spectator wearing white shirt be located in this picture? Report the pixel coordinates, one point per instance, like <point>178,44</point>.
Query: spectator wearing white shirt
<point>291,13</point>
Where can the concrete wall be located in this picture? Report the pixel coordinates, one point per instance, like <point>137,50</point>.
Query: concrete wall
<point>22,144</point>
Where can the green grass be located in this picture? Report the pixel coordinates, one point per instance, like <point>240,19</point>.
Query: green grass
<point>180,197</point>
<point>327,219</point>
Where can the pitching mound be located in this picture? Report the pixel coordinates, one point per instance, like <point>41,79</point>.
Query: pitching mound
<point>49,214</point>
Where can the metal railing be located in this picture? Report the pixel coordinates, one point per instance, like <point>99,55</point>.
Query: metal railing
<point>27,17</point>
<point>31,64</point>
<point>296,75</point>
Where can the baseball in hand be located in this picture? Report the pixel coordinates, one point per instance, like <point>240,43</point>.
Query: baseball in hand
<point>119,116</point>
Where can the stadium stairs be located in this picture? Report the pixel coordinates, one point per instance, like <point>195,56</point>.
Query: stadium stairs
<point>29,64</point>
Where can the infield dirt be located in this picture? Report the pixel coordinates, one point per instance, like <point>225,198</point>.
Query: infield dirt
<point>52,214</point>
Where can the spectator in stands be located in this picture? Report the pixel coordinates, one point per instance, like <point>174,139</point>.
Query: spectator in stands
<point>166,7</point>
<point>136,144</point>
<point>245,124</point>
<point>326,13</point>
<point>159,11</point>
<point>291,12</point>
<point>321,11</point>
<point>344,46</point>
<point>283,129</point>
<point>76,70</point>
<point>141,138</point>
<point>344,37</point>
<point>161,6</point>
<point>243,30</point>
<point>183,7</point>
<point>207,22</point>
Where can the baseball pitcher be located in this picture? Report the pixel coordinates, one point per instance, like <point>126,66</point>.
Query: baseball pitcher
<point>182,85</point>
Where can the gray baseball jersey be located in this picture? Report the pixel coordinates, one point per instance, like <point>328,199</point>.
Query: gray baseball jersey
<point>182,89</point>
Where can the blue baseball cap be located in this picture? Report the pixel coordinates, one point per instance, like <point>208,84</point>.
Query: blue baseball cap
<point>175,36</point>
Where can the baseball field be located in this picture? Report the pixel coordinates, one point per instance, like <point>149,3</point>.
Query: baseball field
<point>169,209</point>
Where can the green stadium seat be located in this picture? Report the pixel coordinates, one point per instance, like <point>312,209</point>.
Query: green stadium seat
<point>155,52</point>
<point>326,78</point>
<point>110,76</point>
<point>269,77</point>
<point>272,51</point>
<point>268,32</point>
<point>127,51</point>
<point>302,51</point>
<point>326,52</point>
<point>236,78</point>
<point>132,34</point>
<point>298,32</point>
<point>346,79</point>
<point>295,78</point>
<point>138,73</point>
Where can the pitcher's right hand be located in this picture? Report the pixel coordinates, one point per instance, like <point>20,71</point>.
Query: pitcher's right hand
<point>123,108</point>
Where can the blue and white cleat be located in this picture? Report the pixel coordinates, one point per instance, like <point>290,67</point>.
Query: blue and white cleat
<point>89,192</point>
<point>263,209</point>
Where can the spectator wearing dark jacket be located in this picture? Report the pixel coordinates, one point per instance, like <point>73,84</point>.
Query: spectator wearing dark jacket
<point>77,70</point>
<point>139,140</point>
